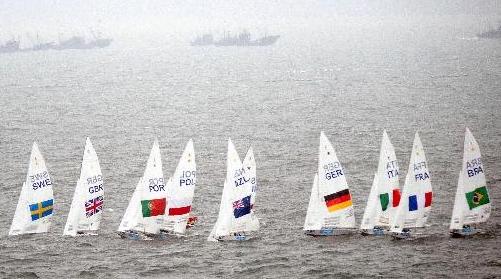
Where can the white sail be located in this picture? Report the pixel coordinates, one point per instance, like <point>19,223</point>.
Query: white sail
<point>415,203</point>
<point>249,164</point>
<point>146,209</point>
<point>314,214</point>
<point>369,218</point>
<point>131,216</point>
<point>478,204</point>
<point>460,205</point>
<point>223,222</point>
<point>235,208</point>
<point>35,206</point>
<point>87,205</point>
<point>333,188</point>
<point>180,191</point>
<point>388,192</point>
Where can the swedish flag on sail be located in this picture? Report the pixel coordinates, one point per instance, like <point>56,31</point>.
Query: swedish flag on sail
<point>41,209</point>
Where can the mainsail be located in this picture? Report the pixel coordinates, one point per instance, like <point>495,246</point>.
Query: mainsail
<point>334,194</point>
<point>180,191</point>
<point>457,219</point>
<point>35,206</point>
<point>314,214</point>
<point>472,204</point>
<point>369,218</point>
<point>388,187</point>
<point>87,205</point>
<point>415,204</point>
<point>147,205</point>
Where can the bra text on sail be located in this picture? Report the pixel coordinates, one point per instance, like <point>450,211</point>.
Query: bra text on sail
<point>474,167</point>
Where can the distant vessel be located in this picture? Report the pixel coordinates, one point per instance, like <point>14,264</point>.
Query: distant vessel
<point>204,40</point>
<point>491,34</point>
<point>10,46</point>
<point>77,42</point>
<point>241,39</point>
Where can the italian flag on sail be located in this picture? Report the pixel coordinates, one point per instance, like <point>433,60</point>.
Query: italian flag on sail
<point>154,207</point>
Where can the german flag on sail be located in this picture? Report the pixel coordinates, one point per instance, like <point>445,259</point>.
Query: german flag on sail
<point>338,200</point>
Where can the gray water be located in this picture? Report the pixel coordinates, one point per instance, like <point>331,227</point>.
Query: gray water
<point>404,78</point>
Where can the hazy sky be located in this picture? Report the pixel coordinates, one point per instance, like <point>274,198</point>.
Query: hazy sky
<point>125,16</point>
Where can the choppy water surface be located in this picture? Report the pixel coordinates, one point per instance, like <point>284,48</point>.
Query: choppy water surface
<point>276,99</point>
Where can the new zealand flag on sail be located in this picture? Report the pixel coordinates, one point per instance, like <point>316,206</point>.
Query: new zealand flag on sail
<point>93,206</point>
<point>242,207</point>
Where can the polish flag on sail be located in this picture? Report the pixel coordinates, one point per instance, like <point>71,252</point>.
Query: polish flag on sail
<point>179,207</point>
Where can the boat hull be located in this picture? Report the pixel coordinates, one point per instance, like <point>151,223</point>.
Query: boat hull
<point>330,232</point>
<point>465,232</point>
<point>86,233</point>
<point>235,237</point>
<point>134,235</point>
<point>375,231</point>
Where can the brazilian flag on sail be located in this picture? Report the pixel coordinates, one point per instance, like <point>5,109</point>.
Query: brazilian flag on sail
<point>477,197</point>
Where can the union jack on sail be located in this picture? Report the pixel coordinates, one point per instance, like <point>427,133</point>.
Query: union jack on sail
<point>93,206</point>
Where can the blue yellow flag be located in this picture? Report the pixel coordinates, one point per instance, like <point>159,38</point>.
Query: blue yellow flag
<point>41,209</point>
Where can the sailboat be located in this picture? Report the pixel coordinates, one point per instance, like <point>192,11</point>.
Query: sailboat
<point>472,205</point>
<point>384,196</point>
<point>145,213</point>
<point>415,205</point>
<point>87,205</point>
<point>235,219</point>
<point>35,206</point>
<point>330,211</point>
<point>180,191</point>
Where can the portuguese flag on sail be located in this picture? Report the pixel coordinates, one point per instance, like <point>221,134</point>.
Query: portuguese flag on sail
<point>154,207</point>
<point>477,197</point>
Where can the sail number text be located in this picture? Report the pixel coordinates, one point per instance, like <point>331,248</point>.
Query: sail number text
<point>40,180</point>
<point>156,184</point>
<point>187,178</point>
<point>333,170</point>
<point>474,167</point>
